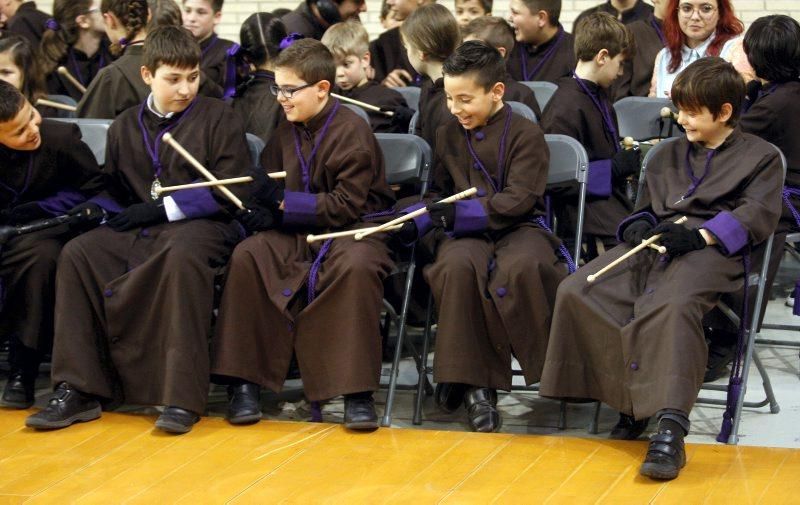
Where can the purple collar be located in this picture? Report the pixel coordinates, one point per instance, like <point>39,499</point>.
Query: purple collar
<point>306,164</point>
<point>76,70</point>
<point>696,181</point>
<point>601,107</point>
<point>499,183</point>
<point>152,148</point>
<point>545,58</point>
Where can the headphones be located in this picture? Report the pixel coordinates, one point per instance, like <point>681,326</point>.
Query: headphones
<point>328,9</point>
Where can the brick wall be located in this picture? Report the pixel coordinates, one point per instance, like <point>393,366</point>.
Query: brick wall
<point>235,11</point>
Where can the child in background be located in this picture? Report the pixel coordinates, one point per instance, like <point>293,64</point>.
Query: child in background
<point>18,67</point>
<point>467,10</point>
<point>201,17</point>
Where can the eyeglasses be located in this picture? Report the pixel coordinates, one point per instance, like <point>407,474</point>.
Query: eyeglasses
<point>688,10</point>
<point>286,91</point>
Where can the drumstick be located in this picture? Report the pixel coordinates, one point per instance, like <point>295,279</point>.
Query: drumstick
<point>645,243</point>
<point>207,184</point>
<point>627,143</point>
<point>75,82</point>
<point>346,233</point>
<point>364,105</point>
<point>667,113</point>
<point>200,168</point>
<point>56,105</point>
<point>412,215</point>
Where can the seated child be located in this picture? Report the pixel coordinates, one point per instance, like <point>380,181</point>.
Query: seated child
<point>201,17</point>
<point>467,10</point>
<point>544,49</point>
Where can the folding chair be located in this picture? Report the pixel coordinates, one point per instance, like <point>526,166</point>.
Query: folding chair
<point>255,145</point>
<point>94,133</point>
<point>358,110</point>
<point>413,123</point>
<point>640,118</point>
<point>411,95</point>
<point>523,110</point>
<point>408,161</point>
<point>791,238</point>
<point>543,91</point>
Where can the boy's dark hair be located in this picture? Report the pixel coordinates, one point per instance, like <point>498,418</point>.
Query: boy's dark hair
<point>485,4</point>
<point>261,36</point>
<point>163,13</point>
<point>493,30</point>
<point>310,60</point>
<point>216,5</point>
<point>433,30</point>
<point>11,101</point>
<point>772,45</point>
<point>171,45</point>
<point>478,59</point>
<point>709,82</point>
<point>551,7</point>
<point>600,30</point>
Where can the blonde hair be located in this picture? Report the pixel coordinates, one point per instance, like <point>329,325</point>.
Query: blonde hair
<point>433,30</point>
<point>346,39</point>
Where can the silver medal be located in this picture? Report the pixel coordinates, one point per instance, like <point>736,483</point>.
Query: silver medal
<point>154,189</point>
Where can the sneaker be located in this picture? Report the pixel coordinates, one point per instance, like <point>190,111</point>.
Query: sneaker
<point>66,406</point>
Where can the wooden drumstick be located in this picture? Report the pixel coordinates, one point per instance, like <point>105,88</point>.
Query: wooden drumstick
<point>56,105</point>
<point>346,233</point>
<point>645,243</point>
<point>667,113</point>
<point>628,143</point>
<point>207,184</point>
<point>75,82</point>
<point>412,215</point>
<point>364,105</point>
<point>200,168</point>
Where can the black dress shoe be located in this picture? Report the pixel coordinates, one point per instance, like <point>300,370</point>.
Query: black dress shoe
<point>359,413</point>
<point>18,392</point>
<point>66,406</point>
<point>665,457</point>
<point>628,428</point>
<point>176,420</point>
<point>449,396</point>
<point>481,404</point>
<point>719,357</point>
<point>244,403</point>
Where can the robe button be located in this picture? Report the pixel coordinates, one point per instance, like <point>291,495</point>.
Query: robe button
<point>481,192</point>
<point>650,291</point>
<point>634,366</point>
<point>287,292</point>
<point>108,293</point>
<point>501,292</point>
<point>145,232</point>
<point>480,136</point>
<point>476,166</point>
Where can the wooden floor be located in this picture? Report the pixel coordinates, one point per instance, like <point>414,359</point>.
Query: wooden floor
<point>121,459</point>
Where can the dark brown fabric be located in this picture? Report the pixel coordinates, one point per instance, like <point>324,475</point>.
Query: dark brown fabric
<point>82,67</point>
<point>215,60</point>
<point>28,22</point>
<point>116,87</point>
<point>433,111</point>
<point>637,71</point>
<point>258,107</point>
<point>302,21</point>
<point>518,92</point>
<point>634,339</point>
<point>379,96</point>
<point>388,53</point>
<point>561,63</point>
<point>639,11</point>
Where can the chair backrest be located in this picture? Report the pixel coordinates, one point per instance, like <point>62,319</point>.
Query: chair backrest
<point>647,157</point>
<point>408,157</point>
<point>65,100</point>
<point>569,163</point>
<point>413,123</point>
<point>640,118</point>
<point>358,110</point>
<point>94,133</point>
<point>523,110</point>
<point>543,90</point>
<point>255,145</point>
<point>411,95</point>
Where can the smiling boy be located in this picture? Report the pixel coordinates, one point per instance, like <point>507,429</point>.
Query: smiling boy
<point>544,49</point>
<point>201,17</point>
<point>467,10</point>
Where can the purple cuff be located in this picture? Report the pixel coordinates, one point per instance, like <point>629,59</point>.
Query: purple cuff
<point>470,217</point>
<point>630,219</point>
<point>61,202</point>
<point>196,203</point>
<point>599,182</point>
<point>730,233</point>
<point>299,209</point>
<point>108,204</point>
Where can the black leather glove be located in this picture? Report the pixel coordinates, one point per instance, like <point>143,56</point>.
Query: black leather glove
<point>138,214</point>
<point>626,162</point>
<point>635,232</point>
<point>402,116</point>
<point>408,233</point>
<point>90,214</point>
<point>257,218</point>
<point>25,213</point>
<point>443,215</point>
<point>677,238</point>
<point>266,191</point>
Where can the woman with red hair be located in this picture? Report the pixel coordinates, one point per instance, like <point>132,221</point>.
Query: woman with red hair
<point>694,29</point>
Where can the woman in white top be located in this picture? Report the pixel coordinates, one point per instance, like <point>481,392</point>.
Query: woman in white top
<point>694,29</point>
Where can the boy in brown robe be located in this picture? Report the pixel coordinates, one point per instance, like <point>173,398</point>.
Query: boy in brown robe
<point>544,50</point>
<point>311,18</point>
<point>496,266</point>
<point>387,53</point>
<point>626,11</point>
<point>634,337</point>
<point>47,170</point>
<point>321,300</point>
<point>135,297</point>
<point>637,70</point>
<point>201,17</point>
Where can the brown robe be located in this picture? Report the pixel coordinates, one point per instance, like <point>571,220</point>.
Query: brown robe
<point>379,96</point>
<point>84,68</point>
<point>524,59</point>
<point>266,314</point>
<point>302,21</point>
<point>633,339</point>
<point>388,53</point>
<point>637,71</point>
<point>28,22</point>
<point>60,174</point>
<point>433,111</point>
<point>518,92</point>
<point>257,106</point>
<point>133,308</point>
<point>214,61</point>
<point>639,11</point>
<point>572,112</point>
<point>494,280</point>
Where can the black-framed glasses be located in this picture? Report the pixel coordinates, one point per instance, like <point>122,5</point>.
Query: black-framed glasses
<point>286,91</point>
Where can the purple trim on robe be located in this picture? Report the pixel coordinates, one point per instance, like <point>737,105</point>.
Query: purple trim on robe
<point>61,202</point>
<point>599,182</point>
<point>108,204</point>
<point>730,233</point>
<point>423,222</point>
<point>196,202</point>
<point>470,217</point>
<point>630,219</point>
<point>299,208</point>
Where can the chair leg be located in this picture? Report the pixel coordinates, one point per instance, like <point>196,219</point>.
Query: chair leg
<point>595,422</point>
<point>423,366</point>
<point>401,332</point>
<point>774,408</point>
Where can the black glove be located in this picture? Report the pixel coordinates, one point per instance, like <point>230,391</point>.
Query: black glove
<point>635,232</point>
<point>443,215</point>
<point>257,218</point>
<point>677,238</point>
<point>266,191</point>
<point>626,162</point>
<point>90,213</point>
<point>402,116</point>
<point>138,214</point>
<point>407,234</point>
<point>25,213</point>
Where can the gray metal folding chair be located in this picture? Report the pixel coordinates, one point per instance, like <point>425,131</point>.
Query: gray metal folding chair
<point>411,95</point>
<point>358,110</point>
<point>94,132</point>
<point>543,90</point>
<point>640,118</point>
<point>413,123</point>
<point>523,110</point>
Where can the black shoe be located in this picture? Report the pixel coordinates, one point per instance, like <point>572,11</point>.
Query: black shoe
<point>244,403</point>
<point>65,407</point>
<point>176,420</point>
<point>18,392</point>
<point>665,457</point>
<point>449,396</point>
<point>481,404</point>
<point>719,357</point>
<point>359,414</point>
<point>628,428</point>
